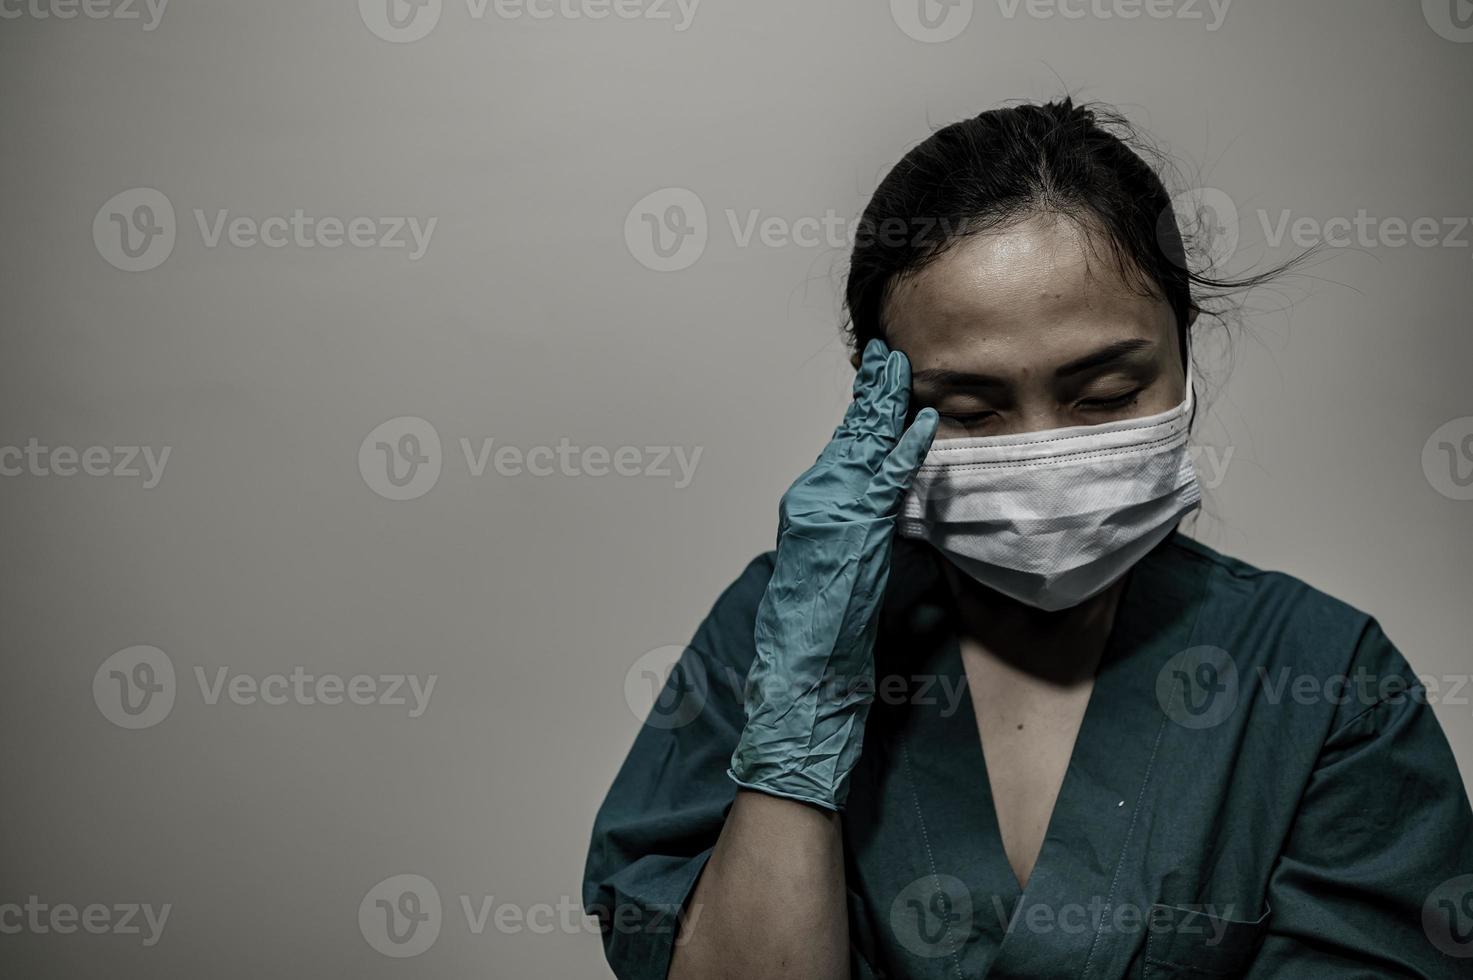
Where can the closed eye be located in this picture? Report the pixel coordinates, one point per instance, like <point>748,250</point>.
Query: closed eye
<point>1112,404</point>
<point>968,418</point>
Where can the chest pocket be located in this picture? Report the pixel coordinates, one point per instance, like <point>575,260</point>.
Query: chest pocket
<point>1194,945</point>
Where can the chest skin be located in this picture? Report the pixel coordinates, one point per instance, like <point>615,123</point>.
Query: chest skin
<point>1029,676</point>
<point>1027,725</point>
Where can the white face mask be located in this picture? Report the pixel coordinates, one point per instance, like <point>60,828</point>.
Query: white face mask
<point>1052,518</point>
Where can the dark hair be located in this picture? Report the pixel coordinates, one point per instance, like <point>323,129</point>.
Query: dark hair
<point>1008,164</point>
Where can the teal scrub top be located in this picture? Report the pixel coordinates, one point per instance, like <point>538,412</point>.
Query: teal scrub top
<point>1258,789</point>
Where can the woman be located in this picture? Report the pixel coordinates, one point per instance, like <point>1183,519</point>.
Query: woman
<point>1000,718</point>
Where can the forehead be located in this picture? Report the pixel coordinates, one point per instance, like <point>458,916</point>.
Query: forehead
<point>1020,296</point>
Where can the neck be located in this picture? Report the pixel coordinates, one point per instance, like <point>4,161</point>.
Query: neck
<point>1062,646</point>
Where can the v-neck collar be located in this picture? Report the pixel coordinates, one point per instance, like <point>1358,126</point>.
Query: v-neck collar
<point>1054,926</point>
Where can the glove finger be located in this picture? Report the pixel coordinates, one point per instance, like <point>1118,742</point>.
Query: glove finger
<point>876,353</point>
<point>900,466</point>
<point>871,364</point>
<point>896,399</point>
<point>872,367</point>
<point>884,420</point>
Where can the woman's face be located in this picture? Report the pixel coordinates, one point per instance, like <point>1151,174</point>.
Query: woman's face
<point>1027,328</point>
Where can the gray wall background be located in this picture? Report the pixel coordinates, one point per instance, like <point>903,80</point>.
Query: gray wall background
<point>534,316</point>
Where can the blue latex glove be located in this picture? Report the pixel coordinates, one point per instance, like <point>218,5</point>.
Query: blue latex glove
<point>812,682</point>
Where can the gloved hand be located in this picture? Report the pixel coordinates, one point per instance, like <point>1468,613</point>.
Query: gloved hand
<point>812,681</point>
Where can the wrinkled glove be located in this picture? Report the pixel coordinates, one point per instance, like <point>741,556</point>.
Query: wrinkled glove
<point>812,681</point>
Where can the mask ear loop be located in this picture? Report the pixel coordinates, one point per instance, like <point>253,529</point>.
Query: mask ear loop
<point>1185,336</point>
<point>1191,395</point>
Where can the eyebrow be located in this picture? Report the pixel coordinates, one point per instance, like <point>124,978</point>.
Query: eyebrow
<point>1109,354</point>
